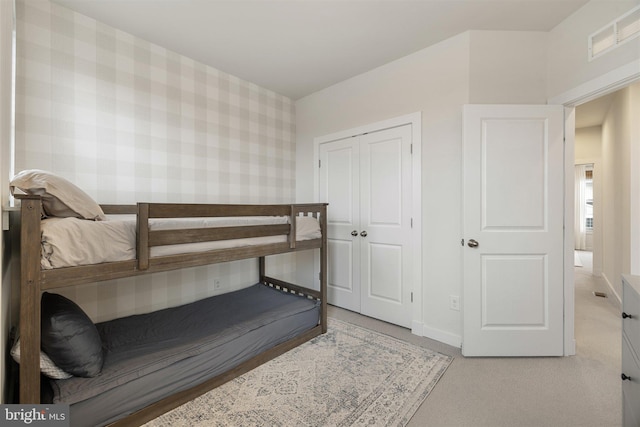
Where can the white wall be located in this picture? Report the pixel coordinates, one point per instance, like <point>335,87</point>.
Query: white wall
<point>588,143</point>
<point>6,43</point>
<point>568,66</point>
<point>618,146</point>
<point>437,81</point>
<point>507,67</point>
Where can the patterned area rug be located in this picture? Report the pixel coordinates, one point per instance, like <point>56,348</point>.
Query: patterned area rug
<point>349,376</point>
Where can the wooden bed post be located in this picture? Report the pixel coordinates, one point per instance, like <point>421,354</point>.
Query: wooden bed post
<point>293,230</point>
<point>323,267</point>
<point>261,269</point>
<point>142,236</point>
<point>31,210</point>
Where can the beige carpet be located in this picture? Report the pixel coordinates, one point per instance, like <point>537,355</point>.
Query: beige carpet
<point>348,377</point>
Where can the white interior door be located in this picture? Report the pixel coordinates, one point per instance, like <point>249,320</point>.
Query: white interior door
<point>513,230</point>
<point>385,218</point>
<point>340,187</point>
<point>366,180</point>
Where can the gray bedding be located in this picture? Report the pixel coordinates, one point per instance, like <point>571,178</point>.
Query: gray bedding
<point>151,356</point>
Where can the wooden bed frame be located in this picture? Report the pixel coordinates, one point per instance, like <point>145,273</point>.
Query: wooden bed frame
<point>25,226</point>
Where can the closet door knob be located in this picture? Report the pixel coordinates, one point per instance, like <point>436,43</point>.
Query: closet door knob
<point>625,377</point>
<point>626,316</point>
<point>354,233</point>
<point>472,243</point>
<point>363,234</point>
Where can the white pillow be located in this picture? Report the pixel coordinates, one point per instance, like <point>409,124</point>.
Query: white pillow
<point>60,198</point>
<point>47,367</point>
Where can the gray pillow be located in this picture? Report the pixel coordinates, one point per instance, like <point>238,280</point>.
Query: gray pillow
<point>69,337</point>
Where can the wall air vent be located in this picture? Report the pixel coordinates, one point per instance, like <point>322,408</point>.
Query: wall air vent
<point>620,31</point>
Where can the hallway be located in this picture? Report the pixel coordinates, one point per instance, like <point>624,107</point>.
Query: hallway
<point>597,319</point>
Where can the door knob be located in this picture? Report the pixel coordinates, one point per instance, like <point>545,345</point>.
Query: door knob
<point>625,377</point>
<point>354,233</point>
<point>626,316</point>
<point>363,234</point>
<point>472,243</point>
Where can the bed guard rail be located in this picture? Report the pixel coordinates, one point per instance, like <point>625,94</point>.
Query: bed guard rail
<point>146,238</point>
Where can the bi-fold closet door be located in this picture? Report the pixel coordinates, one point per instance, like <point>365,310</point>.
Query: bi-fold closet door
<point>366,179</point>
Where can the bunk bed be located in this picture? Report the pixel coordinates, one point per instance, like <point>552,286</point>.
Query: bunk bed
<point>159,248</point>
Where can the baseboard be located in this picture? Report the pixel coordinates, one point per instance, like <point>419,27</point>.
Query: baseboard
<point>612,289</point>
<point>442,336</point>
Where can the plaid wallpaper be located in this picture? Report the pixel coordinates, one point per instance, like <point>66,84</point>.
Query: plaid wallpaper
<point>130,121</point>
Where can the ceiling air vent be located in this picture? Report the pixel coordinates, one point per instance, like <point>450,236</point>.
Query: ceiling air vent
<point>614,34</point>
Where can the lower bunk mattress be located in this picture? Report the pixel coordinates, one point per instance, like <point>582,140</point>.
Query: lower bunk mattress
<point>151,356</point>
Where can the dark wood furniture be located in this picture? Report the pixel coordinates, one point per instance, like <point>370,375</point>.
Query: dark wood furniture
<point>34,280</point>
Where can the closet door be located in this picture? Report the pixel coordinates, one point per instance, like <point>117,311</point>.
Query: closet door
<point>339,186</point>
<point>385,219</point>
<point>366,180</point>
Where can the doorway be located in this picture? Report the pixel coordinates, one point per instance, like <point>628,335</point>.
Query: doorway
<point>617,79</point>
<point>603,155</point>
<point>604,159</point>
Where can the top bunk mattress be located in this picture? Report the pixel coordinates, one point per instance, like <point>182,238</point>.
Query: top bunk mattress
<point>70,242</point>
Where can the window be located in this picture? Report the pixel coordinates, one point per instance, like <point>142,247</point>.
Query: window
<point>583,219</point>
<point>588,192</point>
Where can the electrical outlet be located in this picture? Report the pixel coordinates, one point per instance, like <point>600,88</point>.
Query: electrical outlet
<point>217,284</point>
<point>454,302</point>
